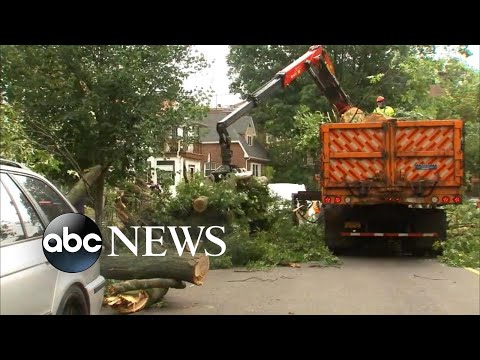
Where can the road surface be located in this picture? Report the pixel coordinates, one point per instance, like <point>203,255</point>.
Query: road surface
<point>361,285</point>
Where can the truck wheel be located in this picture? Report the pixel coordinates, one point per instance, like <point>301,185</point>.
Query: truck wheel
<point>428,221</point>
<point>73,302</point>
<point>333,227</point>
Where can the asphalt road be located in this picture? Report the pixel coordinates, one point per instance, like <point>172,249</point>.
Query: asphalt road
<point>361,285</point>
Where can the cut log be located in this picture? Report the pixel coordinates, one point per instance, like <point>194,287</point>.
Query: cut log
<point>200,204</point>
<point>80,189</point>
<point>134,301</point>
<point>192,269</point>
<point>353,115</point>
<point>142,284</point>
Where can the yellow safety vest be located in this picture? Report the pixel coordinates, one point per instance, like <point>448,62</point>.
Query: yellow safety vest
<point>387,111</point>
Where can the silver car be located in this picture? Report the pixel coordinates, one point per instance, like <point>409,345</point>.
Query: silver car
<point>29,284</point>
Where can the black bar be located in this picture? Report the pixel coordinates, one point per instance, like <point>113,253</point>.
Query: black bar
<point>308,195</point>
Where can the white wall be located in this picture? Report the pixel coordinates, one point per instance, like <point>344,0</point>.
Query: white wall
<point>179,162</point>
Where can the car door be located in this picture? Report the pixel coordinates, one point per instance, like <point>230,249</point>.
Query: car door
<point>27,279</point>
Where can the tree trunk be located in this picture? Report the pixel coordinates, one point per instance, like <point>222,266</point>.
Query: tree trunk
<point>185,177</point>
<point>143,284</point>
<point>80,190</point>
<point>99,198</point>
<point>192,269</point>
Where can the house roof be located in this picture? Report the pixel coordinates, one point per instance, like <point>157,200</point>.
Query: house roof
<point>256,150</point>
<point>236,131</point>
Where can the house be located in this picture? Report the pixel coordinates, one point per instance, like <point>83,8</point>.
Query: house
<point>182,157</point>
<point>247,151</point>
<point>196,148</point>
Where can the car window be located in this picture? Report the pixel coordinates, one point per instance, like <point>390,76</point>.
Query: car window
<point>10,225</point>
<point>49,201</point>
<point>27,213</point>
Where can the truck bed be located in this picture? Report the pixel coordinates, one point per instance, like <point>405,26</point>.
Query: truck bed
<point>406,162</point>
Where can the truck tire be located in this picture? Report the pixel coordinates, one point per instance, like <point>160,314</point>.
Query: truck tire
<point>334,220</point>
<point>427,221</point>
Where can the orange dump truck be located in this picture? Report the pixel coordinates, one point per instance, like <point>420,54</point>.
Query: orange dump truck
<point>380,177</point>
<point>387,179</point>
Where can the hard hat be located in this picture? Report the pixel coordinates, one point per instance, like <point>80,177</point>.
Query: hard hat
<point>380,98</point>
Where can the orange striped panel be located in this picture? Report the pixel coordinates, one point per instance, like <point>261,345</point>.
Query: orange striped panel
<point>354,169</point>
<point>445,170</point>
<point>424,138</point>
<point>356,140</point>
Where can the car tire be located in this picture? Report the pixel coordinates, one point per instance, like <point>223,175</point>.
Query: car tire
<point>73,302</point>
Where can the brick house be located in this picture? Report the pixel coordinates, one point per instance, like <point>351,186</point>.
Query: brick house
<point>248,152</point>
<point>182,158</point>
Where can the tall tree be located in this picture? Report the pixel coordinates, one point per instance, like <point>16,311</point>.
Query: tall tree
<point>100,105</point>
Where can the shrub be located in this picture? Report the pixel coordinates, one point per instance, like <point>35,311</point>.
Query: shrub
<point>462,247</point>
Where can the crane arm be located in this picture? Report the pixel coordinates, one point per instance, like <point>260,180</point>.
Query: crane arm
<point>317,63</point>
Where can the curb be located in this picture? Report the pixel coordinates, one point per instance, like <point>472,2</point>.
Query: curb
<point>473,270</point>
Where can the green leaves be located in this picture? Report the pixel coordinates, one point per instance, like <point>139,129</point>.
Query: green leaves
<point>15,144</point>
<point>281,244</point>
<point>375,78</point>
<point>463,245</point>
<point>110,105</point>
<point>307,125</point>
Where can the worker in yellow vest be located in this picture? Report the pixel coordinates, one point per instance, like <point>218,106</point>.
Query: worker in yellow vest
<point>382,108</point>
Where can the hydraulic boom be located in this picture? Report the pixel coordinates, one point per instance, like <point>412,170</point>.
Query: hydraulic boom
<point>318,64</point>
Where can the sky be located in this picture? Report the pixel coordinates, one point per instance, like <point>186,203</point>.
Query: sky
<point>216,77</point>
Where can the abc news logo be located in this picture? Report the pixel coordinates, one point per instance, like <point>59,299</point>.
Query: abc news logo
<point>72,243</point>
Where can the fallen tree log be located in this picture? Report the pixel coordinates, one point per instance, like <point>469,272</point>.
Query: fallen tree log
<point>134,301</point>
<point>142,284</point>
<point>192,269</point>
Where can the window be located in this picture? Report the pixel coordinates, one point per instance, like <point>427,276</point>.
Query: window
<point>256,169</point>
<point>249,140</point>
<point>209,167</point>
<point>165,172</point>
<point>176,133</point>
<point>26,221</point>
<point>269,139</point>
<point>191,169</point>
<point>10,226</point>
<point>50,202</point>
